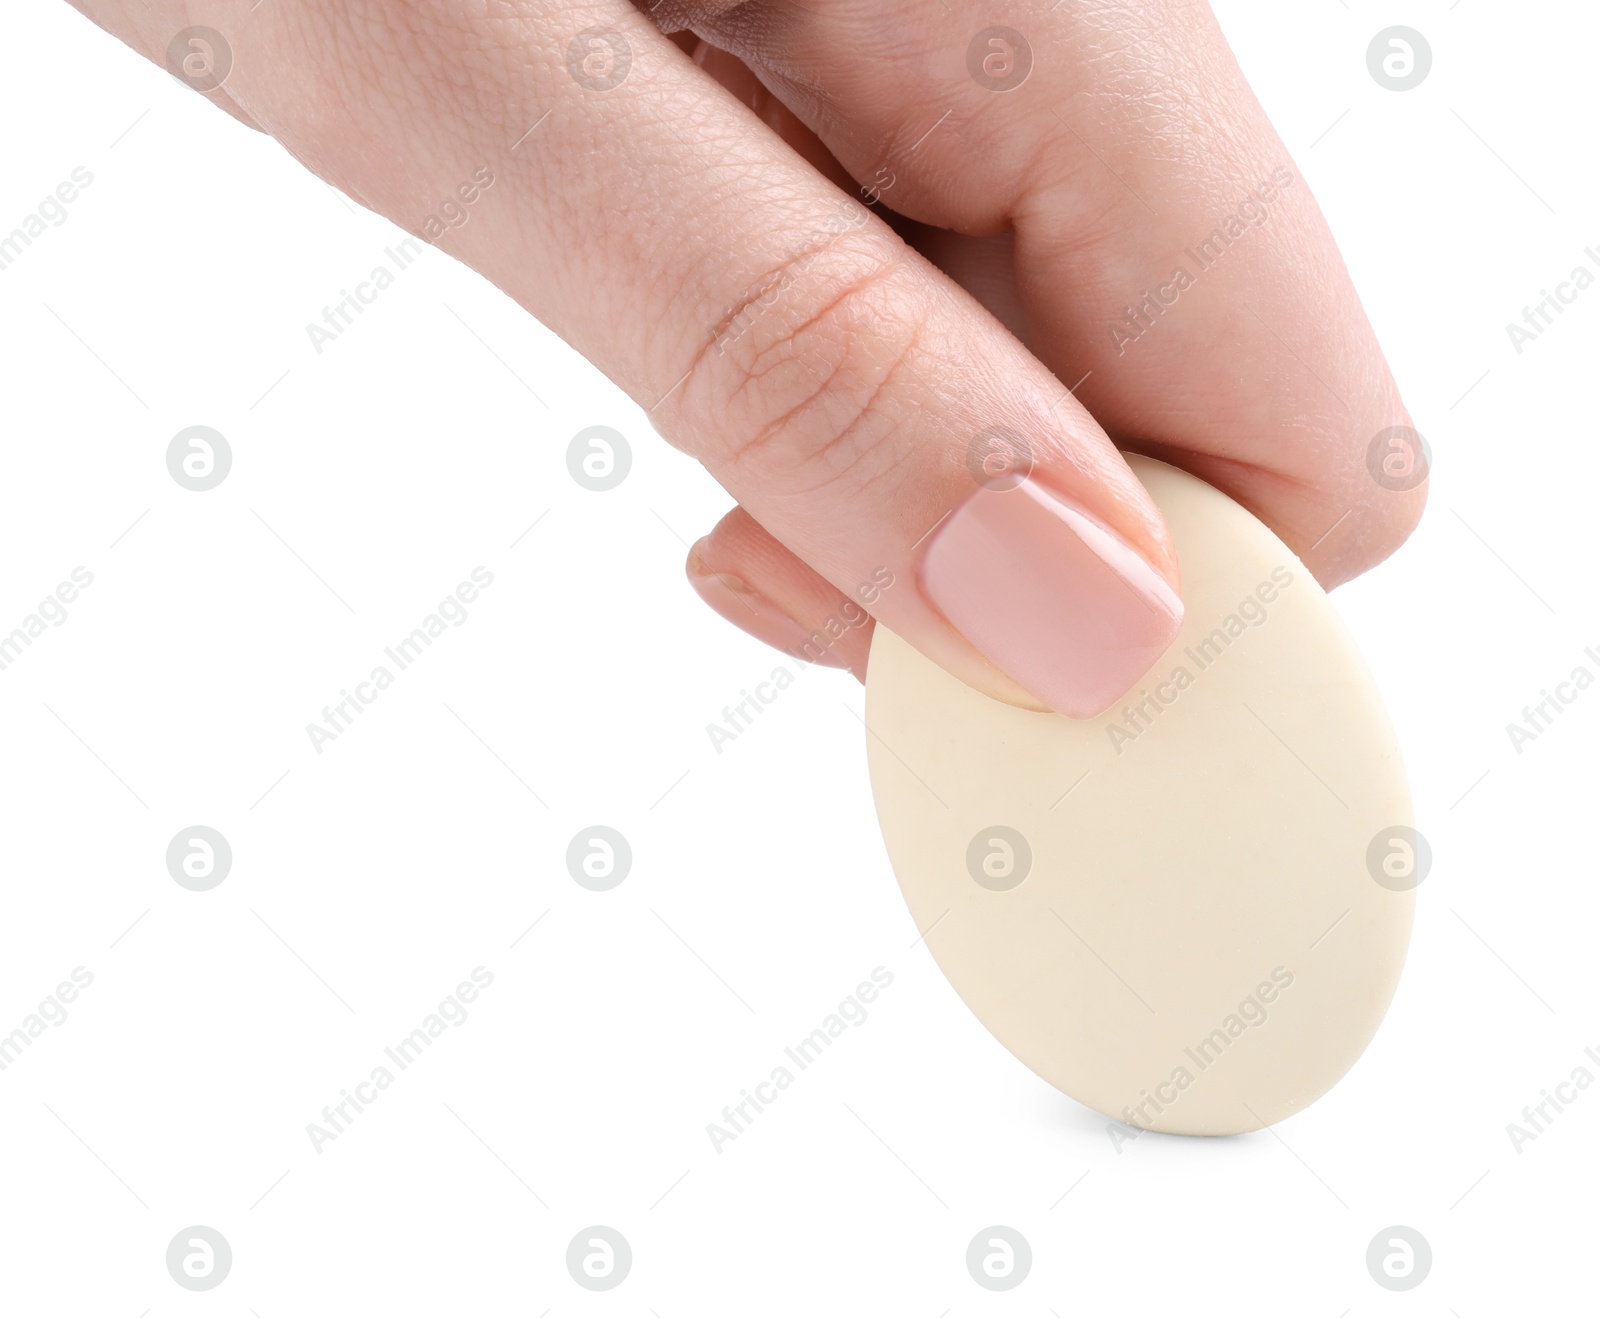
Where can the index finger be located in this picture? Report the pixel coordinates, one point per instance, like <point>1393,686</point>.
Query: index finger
<point>826,374</point>
<point>1171,261</point>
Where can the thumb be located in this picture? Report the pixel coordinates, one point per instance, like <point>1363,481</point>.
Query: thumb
<point>870,414</point>
<point>987,520</point>
<point>1007,541</point>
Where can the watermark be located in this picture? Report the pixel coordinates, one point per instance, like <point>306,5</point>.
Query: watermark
<point>1537,1118</point>
<point>599,858</point>
<point>739,316</point>
<point>999,59</point>
<point>599,1258</point>
<point>338,1117</point>
<point>449,215</point>
<point>199,458</point>
<point>1399,58</point>
<point>849,617</point>
<point>199,858</point>
<point>737,1117</point>
<point>999,858</point>
<point>51,611</point>
<point>342,314</point>
<point>1253,212</point>
<point>1542,314</point>
<point>599,458</point>
<point>51,212</point>
<point>1399,1258</point>
<point>739,717</point>
<point>999,1258</point>
<point>1539,717</point>
<point>1249,1015</point>
<point>599,58</point>
<point>200,57</point>
<point>1399,858</point>
<point>50,1012</point>
<point>1140,715</point>
<point>1398,458</point>
<point>452,212</point>
<point>999,458</point>
<point>199,1258</point>
<point>449,613</point>
<point>882,180</point>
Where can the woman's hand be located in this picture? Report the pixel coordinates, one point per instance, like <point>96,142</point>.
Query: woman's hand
<point>1097,240</point>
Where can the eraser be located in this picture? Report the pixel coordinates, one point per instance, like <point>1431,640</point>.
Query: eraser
<point>1191,912</point>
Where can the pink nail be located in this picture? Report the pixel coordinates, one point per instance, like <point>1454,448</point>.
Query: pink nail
<point>1050,596</point>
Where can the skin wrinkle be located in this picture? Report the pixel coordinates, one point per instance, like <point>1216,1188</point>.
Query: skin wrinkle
<point>845,438</point>
<point>634,215</point>
<point>681,279</point>
<point>828,315</point>
<point>755,190</point>
<point>775,277</point>
<point>656,251</point>
<point>1168,85</point>
<point>891,455</point>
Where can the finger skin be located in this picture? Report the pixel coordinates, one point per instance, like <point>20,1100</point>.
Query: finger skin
<point>826,374</point>
<point>758,585</point>
<point>1132,143</point>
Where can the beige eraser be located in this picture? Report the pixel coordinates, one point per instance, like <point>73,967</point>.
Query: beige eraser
<point>1191,912</point>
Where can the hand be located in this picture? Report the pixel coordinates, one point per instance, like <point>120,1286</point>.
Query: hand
<point>886,395</point>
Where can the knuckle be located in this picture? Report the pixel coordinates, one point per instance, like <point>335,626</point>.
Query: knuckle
<point>805,377</point>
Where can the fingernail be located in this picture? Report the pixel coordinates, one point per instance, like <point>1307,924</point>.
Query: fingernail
<point>1050,595</point>
<point>751,611</point>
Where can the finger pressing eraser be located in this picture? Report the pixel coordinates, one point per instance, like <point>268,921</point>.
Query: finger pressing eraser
<point>1189,913</point>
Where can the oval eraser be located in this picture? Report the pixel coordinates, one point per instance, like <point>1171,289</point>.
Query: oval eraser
<point>1186,913</point>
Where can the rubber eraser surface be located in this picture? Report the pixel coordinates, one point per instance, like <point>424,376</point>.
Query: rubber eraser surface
<point>1191,912</point>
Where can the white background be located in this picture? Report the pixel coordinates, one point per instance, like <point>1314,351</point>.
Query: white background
<point>368,881</point>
